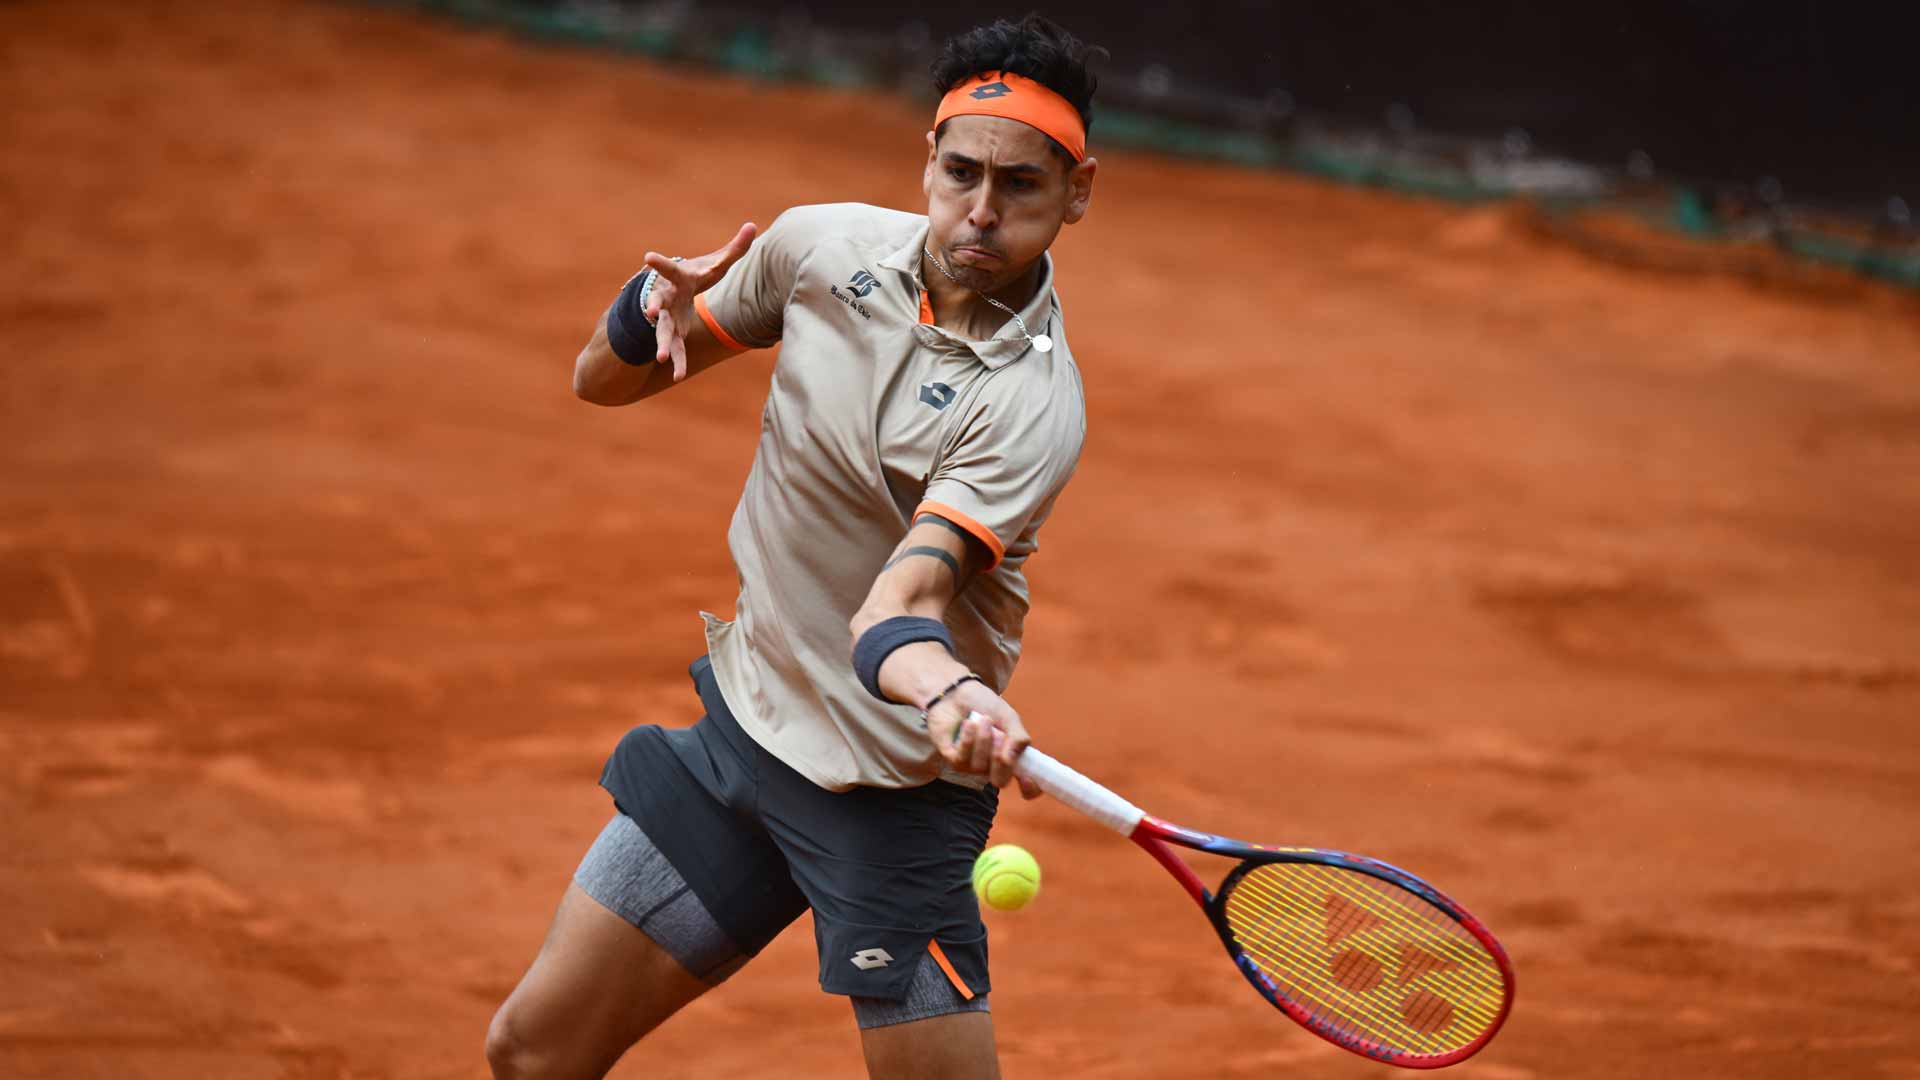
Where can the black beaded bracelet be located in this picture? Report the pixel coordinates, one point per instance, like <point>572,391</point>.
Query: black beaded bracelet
<point>951,687</point>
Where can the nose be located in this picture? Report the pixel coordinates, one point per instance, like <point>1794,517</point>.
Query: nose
<point>982,215</point>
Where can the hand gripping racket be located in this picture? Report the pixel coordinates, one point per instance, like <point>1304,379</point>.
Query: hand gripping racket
<point>1361,953</point>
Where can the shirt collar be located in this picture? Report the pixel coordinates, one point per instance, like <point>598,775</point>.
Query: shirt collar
<point>1005,346</point>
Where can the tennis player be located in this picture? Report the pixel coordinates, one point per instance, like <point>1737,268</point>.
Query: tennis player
<point>924,416</point>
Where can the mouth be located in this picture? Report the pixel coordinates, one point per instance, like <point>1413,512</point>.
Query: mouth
<point>977,254</point>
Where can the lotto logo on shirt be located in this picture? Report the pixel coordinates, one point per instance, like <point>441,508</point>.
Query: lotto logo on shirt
<point>937,394</point>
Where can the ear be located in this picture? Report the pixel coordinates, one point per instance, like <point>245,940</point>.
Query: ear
<point>926,177</point>
<point>1080,189</point>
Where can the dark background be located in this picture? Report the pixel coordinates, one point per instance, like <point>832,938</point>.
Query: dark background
<point>1819,96</point>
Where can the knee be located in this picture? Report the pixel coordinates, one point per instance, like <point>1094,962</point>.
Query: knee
<point>510,1054</point>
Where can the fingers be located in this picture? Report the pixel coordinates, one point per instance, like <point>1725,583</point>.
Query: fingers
<point>1012,741</point>
<point>697,275</point>
<point>985,741</point>
<point>988,742</point>
<point>670,344</point>
<point>670,269</point>
<point>969,745</point>
<point>664,336</point>
<point>668,333</point>
<point>983,744</point>
<point>677,345</point>
<point>735,248</point>
<point>1029,789</point>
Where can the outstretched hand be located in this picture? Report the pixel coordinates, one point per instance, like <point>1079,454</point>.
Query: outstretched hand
<point>670,304</point>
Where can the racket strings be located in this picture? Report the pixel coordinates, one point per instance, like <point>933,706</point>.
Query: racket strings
<point>1364,906</point>
<point>1355,990</point>
<point>1344,1010</point>
<point>1411,1020</point>
<point>1365,959</point>
<point>1332,962</point>
<point>1421,940</point>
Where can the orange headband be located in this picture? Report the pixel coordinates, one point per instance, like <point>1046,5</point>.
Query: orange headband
<point>1016,97</point>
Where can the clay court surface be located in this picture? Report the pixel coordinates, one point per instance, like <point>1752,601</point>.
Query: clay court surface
<point>1588,593</point>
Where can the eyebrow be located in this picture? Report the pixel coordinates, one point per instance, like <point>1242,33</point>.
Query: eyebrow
<point>1022,168</point>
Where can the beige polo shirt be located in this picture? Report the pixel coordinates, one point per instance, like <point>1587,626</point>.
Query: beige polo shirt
<point>873,415</point>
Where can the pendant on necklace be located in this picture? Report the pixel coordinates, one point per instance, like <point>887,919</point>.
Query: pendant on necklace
<point>1039,341</point>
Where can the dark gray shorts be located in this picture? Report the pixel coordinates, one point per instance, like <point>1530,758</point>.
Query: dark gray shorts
<point>626,873</point>
<point>886,872</point>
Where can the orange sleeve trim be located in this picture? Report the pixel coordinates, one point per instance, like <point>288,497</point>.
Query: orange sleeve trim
<point>940,957</point>
<point>979,531</point>
<point>926,307</point>
<point>706,316</point>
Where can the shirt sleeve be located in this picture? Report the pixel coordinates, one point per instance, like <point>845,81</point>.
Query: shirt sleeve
<point>1000,476</point>
<point>746,308</point>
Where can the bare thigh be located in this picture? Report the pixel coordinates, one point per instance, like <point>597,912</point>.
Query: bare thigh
<point>596,987</point>
<point>957,1046</point>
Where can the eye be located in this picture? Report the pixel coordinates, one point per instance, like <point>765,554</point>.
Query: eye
<point>959,172</point>
<point>1021,183</point>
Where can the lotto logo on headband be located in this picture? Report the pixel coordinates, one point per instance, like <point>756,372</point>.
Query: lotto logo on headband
<point>991,90</point>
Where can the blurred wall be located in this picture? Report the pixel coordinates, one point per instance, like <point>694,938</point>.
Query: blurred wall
<point>1820,96</point>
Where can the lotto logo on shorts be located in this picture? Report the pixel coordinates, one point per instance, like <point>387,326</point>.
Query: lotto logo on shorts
<point>868,959</point>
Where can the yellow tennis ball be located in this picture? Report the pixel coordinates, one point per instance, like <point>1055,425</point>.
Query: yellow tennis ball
<point>1006,877</point>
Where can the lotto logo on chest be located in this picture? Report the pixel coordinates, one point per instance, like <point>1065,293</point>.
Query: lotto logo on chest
<point>937,394</point>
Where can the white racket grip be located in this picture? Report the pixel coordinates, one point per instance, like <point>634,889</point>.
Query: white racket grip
<point>1075,790</point>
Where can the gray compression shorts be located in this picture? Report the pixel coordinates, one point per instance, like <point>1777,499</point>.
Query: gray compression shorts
<point>625,873</point>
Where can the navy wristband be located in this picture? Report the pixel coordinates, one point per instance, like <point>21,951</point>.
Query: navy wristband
<point>628,332</point>
<point>883,637</point>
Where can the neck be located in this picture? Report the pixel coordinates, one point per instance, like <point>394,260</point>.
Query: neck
<point>961,309</point>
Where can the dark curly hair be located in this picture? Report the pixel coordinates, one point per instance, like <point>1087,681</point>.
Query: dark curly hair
<point>1036,47</point>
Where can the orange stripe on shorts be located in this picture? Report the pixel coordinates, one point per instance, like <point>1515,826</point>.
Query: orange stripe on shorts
<point>940,957</point>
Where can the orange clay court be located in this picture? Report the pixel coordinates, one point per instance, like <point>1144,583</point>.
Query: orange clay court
<point>1589,594</point>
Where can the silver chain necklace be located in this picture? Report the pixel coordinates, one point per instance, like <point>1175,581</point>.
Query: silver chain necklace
<point>1038,341</point>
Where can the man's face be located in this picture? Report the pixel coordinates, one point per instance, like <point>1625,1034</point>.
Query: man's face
<point>997,194</point>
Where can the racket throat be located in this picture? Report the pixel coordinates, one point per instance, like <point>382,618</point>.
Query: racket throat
<point>1175,865</point>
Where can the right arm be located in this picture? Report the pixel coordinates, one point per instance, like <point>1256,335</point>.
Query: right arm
<point>928,569</point>
<point>685,345</point>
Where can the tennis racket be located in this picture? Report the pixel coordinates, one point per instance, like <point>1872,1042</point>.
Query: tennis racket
<point>1361,953</point>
